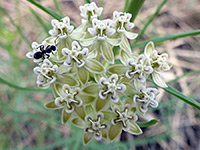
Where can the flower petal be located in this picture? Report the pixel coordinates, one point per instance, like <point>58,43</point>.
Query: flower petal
<point>125,44</point>
<point>92,89</point>
<point>78,122</point>
<point>114,42</point>
<point>108,115</point>
<point>117,69</point>
<point>134,129</point>
<point>67,79</point>
<point>158,80</point>
<point>124,56</point>
<point>94,66</point>
<point>130,90</point>
<point>114,131</point>
<point>80,112</point>
<point>51,105</point>
<point>77,35</point>
<point>87,99</point>
<point>130,35</point>
<point>88,42</point>
<point>89,110</point>
<point>148,50</point>
<point>100,104</point>
<point>87,137</point>
<point>65,116</point>
<point>83,75</point>
<point>107,52</point>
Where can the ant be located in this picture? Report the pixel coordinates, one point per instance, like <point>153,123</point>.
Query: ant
<point>43,52</point>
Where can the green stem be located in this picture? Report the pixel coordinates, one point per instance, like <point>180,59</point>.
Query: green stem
<point>21,88</point>
<point>165,38</point>
<point>150,20</point>
<point>134,8</point>
<point>126,5</point>
<point>87,1</point>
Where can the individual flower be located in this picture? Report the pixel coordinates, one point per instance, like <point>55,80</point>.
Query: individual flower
<point>110,88</point>
<point>90,11</point>
<point>61,28</point>
<point>144,98</point>
<point>68,99</point>
<point>122,117</point>
<point>158,62</point>
<point>93,124</point>
<point>46,74</point>
<point>83,63</point>
<point>36,47</point>
<point>123,25</point>
<point>101,41</point>
<point>138,69</point>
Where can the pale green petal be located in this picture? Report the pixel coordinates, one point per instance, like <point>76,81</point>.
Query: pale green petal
<point>158,80</point>
<point>67,79</point>
<point>107,52</point>
<point>83,75</point>
<point>100,104</point>
<point>63,69</point>
<point>65,116</point>
<point>114,42</point>
<point>138,85</point>
<point>104,133</point>
<point>81,28</point>
<point>92,89</point>
<point>80,112</point>
<point>134,129</point>
<point>51,105</point>
<point>89,110</point>
<point>149,48</point>
<point>124,56</point>
<point>115,131</point>
<point>130,35</point>
<point>108,115</point>
<point>87,99</point>
<point>125,44</point>
<point>57,89</point>
<point>88,42</point>
<point>117,69</point>
<point>77,35</point>
<point>62,44</point>
<point>129,101</point>
<point>87,137</point>
<point>78,122</point>
<point>125,80</point>
<point>98,76</point>
<point>94,66</point>
<point>130,89</point>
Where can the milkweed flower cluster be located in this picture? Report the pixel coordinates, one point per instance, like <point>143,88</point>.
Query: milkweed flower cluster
<point>95,92</point>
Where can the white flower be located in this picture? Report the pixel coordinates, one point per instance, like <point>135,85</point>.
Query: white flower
<point>95,125</point>
<point>46,74</point>
<point>122,21</point>
<point>90,11</point>
<point>138,69</point>
<point>145,97</point>
<point>61,29</point>
<point>75,55</point>
<point>36,47</point>
<point>68,99</point>
<point>111,87</point>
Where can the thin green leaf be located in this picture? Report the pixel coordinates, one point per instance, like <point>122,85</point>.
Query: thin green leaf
<point>58,7</point>
<point>87,1</point>
<point>134,7</point>
<point>150,20</point>
<point>180,95</point>
<point>22,88</point>
<point>148,123</point>
<point>45,9</point>
<point>126,5</point>
<point>165,38</point>
<point>39,19</point>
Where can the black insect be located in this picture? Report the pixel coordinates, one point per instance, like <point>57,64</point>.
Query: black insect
<point>44,52</point>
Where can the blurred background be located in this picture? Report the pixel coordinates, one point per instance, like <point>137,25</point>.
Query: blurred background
<point>25,124</point>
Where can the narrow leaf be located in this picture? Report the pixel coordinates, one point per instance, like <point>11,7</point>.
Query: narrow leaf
<point>65,116</point>
<point>94,66</point>
<point>100,104</point>
<point>83,75</point>
<point>149,123</point>
<point>115,131</point>
<point>51,105</point>
<point>117,69</point>
<point>92,89</point>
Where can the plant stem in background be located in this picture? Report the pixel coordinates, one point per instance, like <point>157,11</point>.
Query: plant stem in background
<point>165,38</point>
<point>150,20</point>
<point>126,5</point>
<point>134,8</point>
